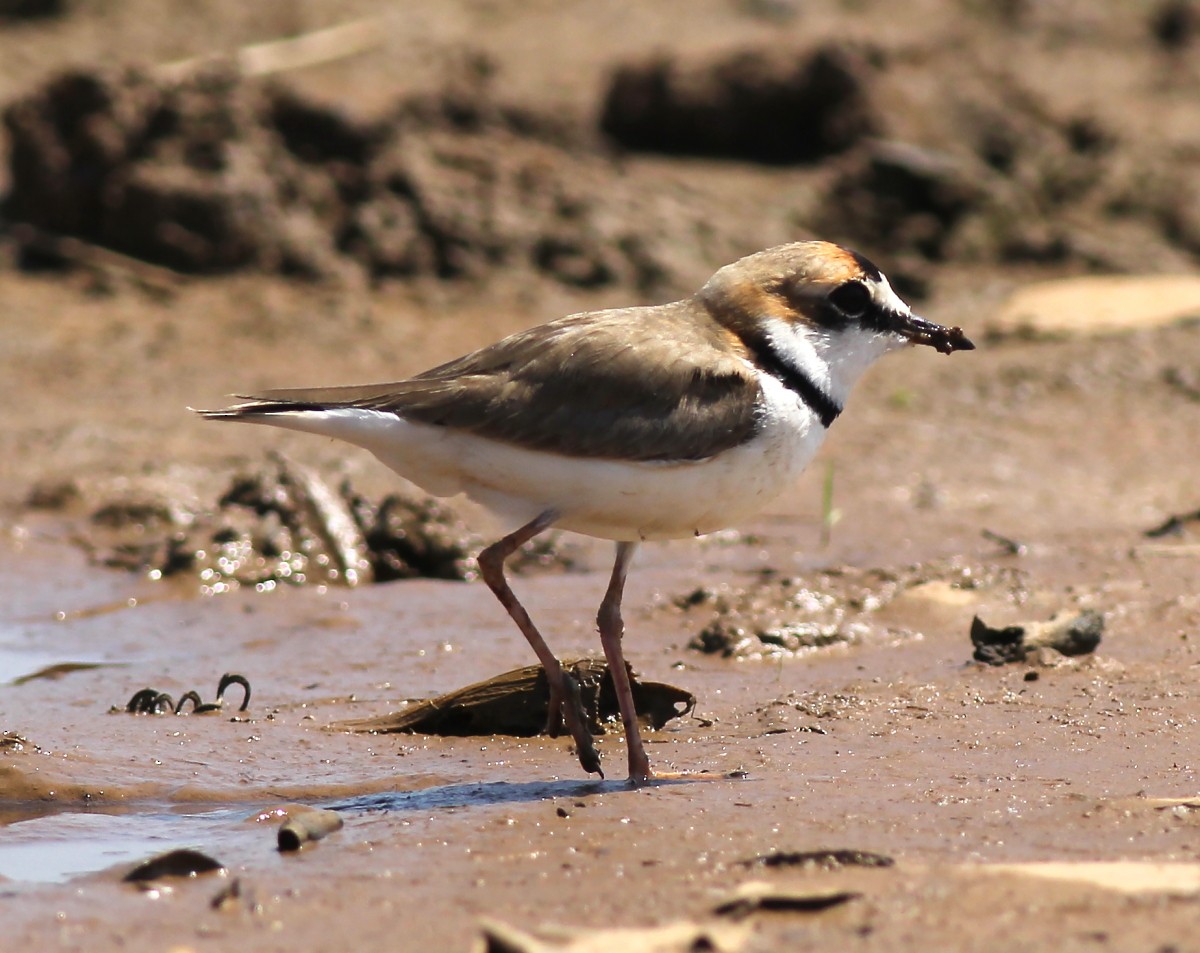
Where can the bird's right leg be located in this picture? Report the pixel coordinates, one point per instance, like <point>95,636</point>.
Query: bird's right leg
<point>565,703</point>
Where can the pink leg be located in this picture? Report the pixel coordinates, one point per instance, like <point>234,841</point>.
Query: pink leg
<point>564,698</point>
<point>612,628</point>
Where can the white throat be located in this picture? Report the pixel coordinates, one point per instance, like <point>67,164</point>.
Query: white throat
<point>832,360</point>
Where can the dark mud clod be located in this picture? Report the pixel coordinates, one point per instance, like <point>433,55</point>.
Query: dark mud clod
<point>58,670</point>
<point>754,896</point>
<point>175,863</point>
<point>953,340</point>
<point>824,859</point>
<point>942,339</point>
<point>1074,634</point>
<point>1173,525</point>
<point>516,703</point>
<point>307,825</point>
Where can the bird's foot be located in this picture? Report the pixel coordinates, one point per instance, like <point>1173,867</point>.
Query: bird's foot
<point>571,711</point>
<point>639,770</point>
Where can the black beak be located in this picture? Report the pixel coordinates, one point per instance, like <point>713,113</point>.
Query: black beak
<point>919,331</point>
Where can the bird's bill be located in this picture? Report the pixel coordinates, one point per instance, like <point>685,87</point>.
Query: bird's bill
<point>919,331</point>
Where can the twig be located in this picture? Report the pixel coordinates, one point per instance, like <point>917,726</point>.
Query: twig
<point>1011,546</point>
<point>829,514</point>
<point>294,52</point>
<point>101,260</point>
<point>1173,526</point>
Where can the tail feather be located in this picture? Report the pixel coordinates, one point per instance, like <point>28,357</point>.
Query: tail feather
<point>300,399</point>
<point>258,407</point>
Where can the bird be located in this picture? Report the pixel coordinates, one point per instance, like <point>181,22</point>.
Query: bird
<point>631,424</point>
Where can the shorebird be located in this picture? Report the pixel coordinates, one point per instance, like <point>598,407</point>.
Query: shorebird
<point>631,424</point>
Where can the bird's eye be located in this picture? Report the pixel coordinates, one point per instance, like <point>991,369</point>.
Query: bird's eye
<point>852,299</point>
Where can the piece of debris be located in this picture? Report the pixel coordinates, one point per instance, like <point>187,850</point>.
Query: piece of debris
<point>1173,525</point>
<point>1010,546</point>
<point>759,895</point>
<point>680,937</point>
<point>58,670</point>
<point>516,703</point>
<point>176,863</point>
<point>150,701</point>
<point>305,824</point>
<point>823,859</point>
<point>292,52</point>
<point>1073,634</point>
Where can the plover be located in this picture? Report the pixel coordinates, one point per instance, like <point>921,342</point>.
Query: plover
<point>632,424</point>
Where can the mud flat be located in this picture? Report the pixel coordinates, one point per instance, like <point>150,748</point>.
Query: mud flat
<point>853,776</point>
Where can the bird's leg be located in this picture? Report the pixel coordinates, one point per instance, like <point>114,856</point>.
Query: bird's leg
<point>564,703</point>
<point>612,628</point>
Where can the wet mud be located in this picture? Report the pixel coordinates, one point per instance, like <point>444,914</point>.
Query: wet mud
<point>279,523</point>
<point>850,776</point>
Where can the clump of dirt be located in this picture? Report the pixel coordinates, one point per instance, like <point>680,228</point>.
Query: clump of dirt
<point>278,524</point>
<point>214,172</point>
<point>1075,633</point>
<point>990,170</point>
<point>1012,179</point>
<point>762,104</point>
<point>781,616</point>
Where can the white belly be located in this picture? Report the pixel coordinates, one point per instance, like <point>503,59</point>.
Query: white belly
<point>608,499</point>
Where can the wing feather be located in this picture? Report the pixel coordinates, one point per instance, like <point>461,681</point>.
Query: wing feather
<point>664,386</point>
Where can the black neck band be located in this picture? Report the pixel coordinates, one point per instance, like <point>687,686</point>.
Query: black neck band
<point>795,380</point>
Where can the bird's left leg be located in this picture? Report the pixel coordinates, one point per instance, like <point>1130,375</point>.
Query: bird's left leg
<point>612,628</point>
<point>565,702</point>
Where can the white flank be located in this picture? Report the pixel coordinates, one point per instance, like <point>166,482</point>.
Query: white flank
<point>608,499</point>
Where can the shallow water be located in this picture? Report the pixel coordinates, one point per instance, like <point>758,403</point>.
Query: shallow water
<point>63,845</point>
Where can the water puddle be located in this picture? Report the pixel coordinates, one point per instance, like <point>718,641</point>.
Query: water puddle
<point>55,848</point>
<point>18,666</point>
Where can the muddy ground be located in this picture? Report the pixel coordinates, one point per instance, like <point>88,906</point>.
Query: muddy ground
<point>495,168</point>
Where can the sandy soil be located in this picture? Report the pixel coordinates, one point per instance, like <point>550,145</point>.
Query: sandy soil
<point>1052,803</point>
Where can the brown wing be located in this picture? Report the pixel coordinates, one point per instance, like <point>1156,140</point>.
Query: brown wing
<point>640,383</point>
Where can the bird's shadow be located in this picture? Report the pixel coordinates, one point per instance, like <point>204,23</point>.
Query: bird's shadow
<point>491,792</point>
